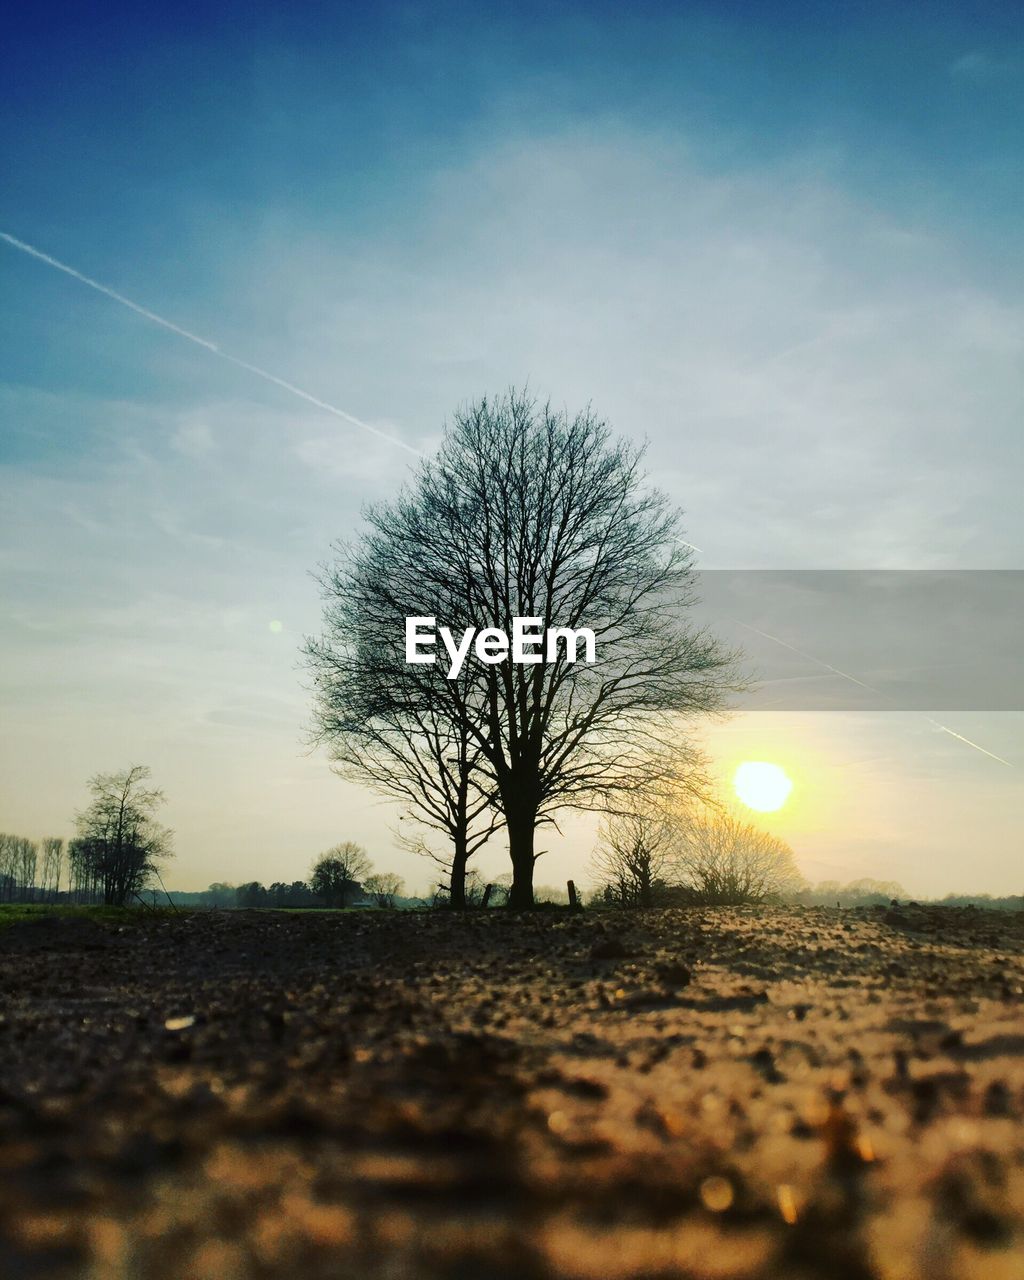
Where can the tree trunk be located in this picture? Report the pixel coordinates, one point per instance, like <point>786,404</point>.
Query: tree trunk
<point>457,884</point>
<point>521,821</point>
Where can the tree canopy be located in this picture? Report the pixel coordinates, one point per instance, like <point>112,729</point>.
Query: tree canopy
<point>119,842</point>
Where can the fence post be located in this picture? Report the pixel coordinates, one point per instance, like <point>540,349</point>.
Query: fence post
<point>573,899</point>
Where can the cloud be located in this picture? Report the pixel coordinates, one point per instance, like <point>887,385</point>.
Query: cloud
<point>983,67</point>
<point>822,381</point>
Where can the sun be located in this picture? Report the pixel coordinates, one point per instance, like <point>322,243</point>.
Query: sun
<point>762,786</point>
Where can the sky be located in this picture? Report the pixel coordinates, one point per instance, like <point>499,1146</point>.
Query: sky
<point>779,242</point>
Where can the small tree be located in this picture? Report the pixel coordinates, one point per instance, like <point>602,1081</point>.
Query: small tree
<point>384,887</point>
<point>338,874</point>
<point>634,856</point>
<point>119,841</point>
<point>719,858</point>
<point>8,860</point>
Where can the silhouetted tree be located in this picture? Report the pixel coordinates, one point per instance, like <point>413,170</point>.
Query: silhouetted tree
<point>250,895</point>
<point>6,867</point>
<point>220,894</point>
<point>52,866</point>
<point>524,512</point>
<point>634,855</point>
<point>383,887</point>
<point>17,867</point>
<point>338,874</point>
<point>858,893</point>
<point>119,841</point>
<point>719,858</point>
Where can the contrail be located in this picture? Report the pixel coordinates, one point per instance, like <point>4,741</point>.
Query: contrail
<point>871,689</point>
<point>961,738</point>
<point>212,347</point>
<point>809,656</point>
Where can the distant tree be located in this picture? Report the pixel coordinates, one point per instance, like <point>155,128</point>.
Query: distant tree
<point>338,874</point>
<point>634,855</point>
<point>220,894</point>
<point>28,859</point>
<point>383,887</point>
<point>18,858</point>
<point>858,893</point>
<point>119,841</point>
<point>52,866</point>
<point>83,871</point>
<point>6,867</point>
<point>295,894</point>
<point>984,901</point>
<point>884,890</point>
<point>250,895</point>
<point>18,867</point>
<point>550,893</point>
<point>474,892</point>
<point>719,858</point>
<point>299,894</point>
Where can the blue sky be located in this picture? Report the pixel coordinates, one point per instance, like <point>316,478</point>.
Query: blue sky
<point>781,242</point>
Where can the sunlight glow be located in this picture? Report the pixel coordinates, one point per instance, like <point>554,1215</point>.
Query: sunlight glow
<point>762,786</point>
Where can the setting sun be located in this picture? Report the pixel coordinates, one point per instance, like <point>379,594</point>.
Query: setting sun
<point>762,786</point>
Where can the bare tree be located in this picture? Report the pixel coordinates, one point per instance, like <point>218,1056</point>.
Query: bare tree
<point>384,887</point>
<point>18,867</point>
<point>338,874</point>
<point>28,858</point>
<point>52,866</point>
<point>634,856</point>
<point>527,513</point>
<point>119,842</point>
<point>83,871</point>
<point>719,858</point>
<point>6,867</point>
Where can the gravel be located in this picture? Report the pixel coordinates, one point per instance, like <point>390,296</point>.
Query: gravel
<point>598,1095</point>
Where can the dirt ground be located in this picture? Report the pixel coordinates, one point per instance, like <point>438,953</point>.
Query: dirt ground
<point>719,1093</point>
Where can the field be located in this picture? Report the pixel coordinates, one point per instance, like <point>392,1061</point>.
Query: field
<point>721,1093</point>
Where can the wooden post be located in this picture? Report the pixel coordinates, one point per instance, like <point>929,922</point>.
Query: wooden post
<point>573,899</point>
<point>487,895</point>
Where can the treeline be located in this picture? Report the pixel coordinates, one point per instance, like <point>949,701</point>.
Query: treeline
<point>858,893</point>
<point>253,894</point>
<point>53,870</point>
<point>30,870</point>
<point>1012,902</point>
<point>880,893</point>
<point>341,877</point>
